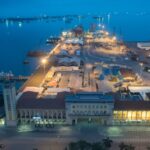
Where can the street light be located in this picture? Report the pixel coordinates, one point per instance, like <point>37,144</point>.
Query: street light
<point>107,33</point>
<point>103,26</point>
<point>43,62</point>
<point>114,38</point>
<point>141,64</point>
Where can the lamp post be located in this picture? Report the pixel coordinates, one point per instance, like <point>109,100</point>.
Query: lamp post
<point>44,61</point>
<point>141,65</point>
<point>114,38</point>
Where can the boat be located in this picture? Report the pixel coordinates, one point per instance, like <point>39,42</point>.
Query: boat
<point>52,40</point>
<point>26,62</point>
<point>36,54</point>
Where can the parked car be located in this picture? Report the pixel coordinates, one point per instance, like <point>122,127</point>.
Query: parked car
<point>147,69</point>
<point>119,84</point>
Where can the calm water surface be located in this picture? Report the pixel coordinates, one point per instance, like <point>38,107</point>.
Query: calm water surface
<point>129,20</point>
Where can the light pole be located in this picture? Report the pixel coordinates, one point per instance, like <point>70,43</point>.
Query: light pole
<point>44,61</point>
<point>141,65</point>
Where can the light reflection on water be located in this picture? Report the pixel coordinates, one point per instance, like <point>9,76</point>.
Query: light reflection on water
<point>17,38</point>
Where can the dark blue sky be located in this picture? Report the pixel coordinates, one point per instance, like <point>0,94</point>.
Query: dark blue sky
<point>54,7</point>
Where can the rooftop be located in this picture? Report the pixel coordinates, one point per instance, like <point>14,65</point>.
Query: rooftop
<point>30,100</point>
<point>132,105</point>
<point>90,97</point>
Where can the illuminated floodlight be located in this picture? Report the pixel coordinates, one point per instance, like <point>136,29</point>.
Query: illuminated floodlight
<point>99,25</point>
<point>44,61</point>
<point>107,33</point>
<point>114,38</point>
<point>103,26</point>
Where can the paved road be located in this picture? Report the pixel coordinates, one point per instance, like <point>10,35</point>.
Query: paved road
<point>38,76</point>
<point>59,137</point>
<point>36,79</point>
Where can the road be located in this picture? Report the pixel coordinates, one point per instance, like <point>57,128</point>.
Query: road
<point>37,77</point>
<point>59,137</point>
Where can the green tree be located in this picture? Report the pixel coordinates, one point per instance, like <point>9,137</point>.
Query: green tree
<point>2,146</point>
<point>98,146</point>
<point>130,147</point>
<point>107,142</point>
<point>72,146</point>
<point>83,145</point>
<point>80,145</point>
<point>148,148</point>
<point>123,146</point>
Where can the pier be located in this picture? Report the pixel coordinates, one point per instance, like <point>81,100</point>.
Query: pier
<point>52,40</point>
<point>37,77</point>
<point>13,78</point>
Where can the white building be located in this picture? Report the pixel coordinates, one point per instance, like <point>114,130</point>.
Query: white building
<point>9,94</point>
<point>89,107</point>
<point>31,108</point>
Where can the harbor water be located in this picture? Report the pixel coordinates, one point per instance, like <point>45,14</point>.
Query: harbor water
<point>129,23</point>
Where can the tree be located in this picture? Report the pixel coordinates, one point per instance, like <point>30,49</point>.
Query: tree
<point>2,146</point>
<point>123,146</point>
<point>72,146</point>
<point>98,146</point>
<point>83,145</point>
<point>107,142</point>
<point>80,145</point>
<point>130,147</point>
<point>148,148</point>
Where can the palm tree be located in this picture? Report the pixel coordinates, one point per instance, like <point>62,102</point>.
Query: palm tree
<point>130,147</point>
<point>2,146</point>
<point>72,146</point>
<point>80,145</point>
<point>83,145</point>
<point>148,148</point>
<point>122,146</point>
<point>98,146</point>
<point>107,142</point>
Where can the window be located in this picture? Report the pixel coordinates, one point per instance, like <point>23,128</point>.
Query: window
<point>104,112</point>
